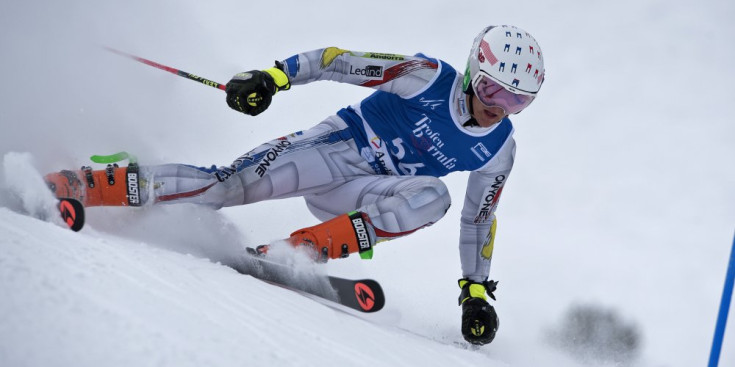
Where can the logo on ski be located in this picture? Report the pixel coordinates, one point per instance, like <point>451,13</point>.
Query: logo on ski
<point>365,296</point>
<point>68,214</point>
<point>72,213</point>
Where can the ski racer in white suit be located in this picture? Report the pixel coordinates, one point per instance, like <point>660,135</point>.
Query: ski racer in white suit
<point>371,170</point>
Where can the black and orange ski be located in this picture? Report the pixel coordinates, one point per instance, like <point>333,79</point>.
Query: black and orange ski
<point>364,295</point>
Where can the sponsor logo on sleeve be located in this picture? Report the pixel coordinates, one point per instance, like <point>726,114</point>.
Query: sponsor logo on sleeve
<point>490,200</point>
<point>370,71</point>
<point>392,57</point>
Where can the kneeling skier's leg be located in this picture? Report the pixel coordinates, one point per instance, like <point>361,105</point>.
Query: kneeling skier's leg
<point>303,163</point>
<point>387,207</point>
<point>136,186</point>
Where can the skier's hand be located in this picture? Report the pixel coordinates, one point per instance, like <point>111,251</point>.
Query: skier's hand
<point>251,92</point>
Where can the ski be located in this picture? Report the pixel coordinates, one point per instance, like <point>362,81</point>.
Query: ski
<point>364,295</point>
<point>71,212</point>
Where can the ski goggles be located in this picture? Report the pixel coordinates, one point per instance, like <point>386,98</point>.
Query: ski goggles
<point>492,94</point>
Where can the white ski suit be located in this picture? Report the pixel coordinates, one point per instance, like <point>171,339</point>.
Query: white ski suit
<point>381,156</point>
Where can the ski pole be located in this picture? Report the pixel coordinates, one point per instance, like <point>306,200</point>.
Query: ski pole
<point>169,69</point>
<point>714,356</point>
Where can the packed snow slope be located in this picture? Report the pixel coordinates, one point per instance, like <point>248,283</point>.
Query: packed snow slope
<point>620,201</point>
<point>94,300</point>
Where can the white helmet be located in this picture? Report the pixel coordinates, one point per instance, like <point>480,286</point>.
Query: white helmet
<point>509,56</point>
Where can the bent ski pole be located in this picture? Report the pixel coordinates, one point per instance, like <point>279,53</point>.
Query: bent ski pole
<point>169,69</point>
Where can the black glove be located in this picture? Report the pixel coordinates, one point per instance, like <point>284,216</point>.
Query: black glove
<point>251,92</point>
<point>479,320</point>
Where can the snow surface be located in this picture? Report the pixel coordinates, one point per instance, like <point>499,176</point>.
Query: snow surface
<point>621,197</point>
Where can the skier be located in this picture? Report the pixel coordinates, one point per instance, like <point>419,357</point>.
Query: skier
<point>369,172</point>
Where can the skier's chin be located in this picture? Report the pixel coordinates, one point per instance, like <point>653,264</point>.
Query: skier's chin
<point>489,116</point>
<point>486,116</point>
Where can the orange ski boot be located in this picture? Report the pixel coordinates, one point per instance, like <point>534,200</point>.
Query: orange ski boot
<point>114,186</point>
<point>334,239</point>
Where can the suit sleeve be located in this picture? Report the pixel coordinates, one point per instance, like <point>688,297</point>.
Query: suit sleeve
<point>398,74</point>
<point>478,222</point>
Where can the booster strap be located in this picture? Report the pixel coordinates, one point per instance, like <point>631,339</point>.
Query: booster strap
<point>360,226</point>
<point>133,184</point>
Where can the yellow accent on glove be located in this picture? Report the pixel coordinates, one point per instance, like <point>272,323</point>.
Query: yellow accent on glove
<point>477,331</point>
<point>253,99</point>
<point>477,290</point>
<point>279,77</point>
